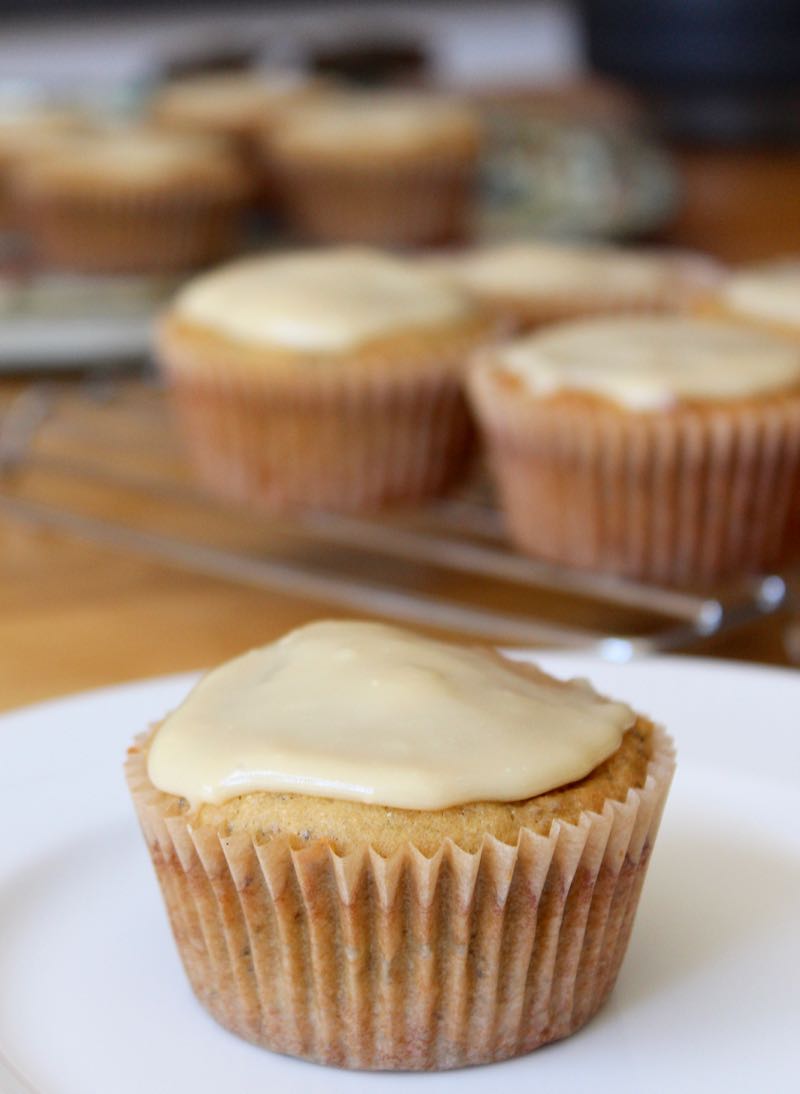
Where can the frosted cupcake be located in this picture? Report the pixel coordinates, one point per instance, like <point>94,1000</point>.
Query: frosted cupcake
<point>26,132</point>
<point>765,296</point>
<point>132,201</point>
<point>527,285</point>
<point>666,449</point>
<point>323,378</point>
<point>381,851</point>
<point>387,167</point>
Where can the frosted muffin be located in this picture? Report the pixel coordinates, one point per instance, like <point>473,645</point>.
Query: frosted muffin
<point>26,132</point>
<point>393,168</point>
<point>765,296</point>
<point>666,449</point>
<point>323,378</point>
<point>527,285</point>
<point>381,851</point>
<point>132,201</point>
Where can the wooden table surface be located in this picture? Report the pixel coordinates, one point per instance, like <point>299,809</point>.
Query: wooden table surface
<point>75,616</point>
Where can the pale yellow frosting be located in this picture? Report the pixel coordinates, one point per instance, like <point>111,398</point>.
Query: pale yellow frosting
<point>652,363</point>
<point>225,97</point>
<point>770,292</point>
<point>320,301</point>
<point>526,270</point>
<point>373,713</point>
<point>138,156</point>
<point>379,122</point>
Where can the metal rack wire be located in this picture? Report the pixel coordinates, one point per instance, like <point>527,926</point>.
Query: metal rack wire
<point>98,442</point>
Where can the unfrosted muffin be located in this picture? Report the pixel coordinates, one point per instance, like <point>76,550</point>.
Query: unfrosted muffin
<point>529,284</point>
<point>132,201</point>
<point>381,851</point>
<point>393,168</point>
<point>323,378</point>
<point>25,132</point>
<point>766,296</point>
<point>666,449</point>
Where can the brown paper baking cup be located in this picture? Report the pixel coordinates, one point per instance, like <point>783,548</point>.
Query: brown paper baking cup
<point>405,962</point>
<point>391,205</point>
<point>347,438</point>
<point>686,497</point>
<point>115,232</point>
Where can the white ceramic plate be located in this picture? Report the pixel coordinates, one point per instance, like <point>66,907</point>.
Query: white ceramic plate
<point>93,1000</point>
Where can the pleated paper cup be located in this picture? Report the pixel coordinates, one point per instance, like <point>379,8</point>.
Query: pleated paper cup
<point>385,204</point>
<point>108,230</point>
<point>349,435</point>
<point>686,497</point>
<point>405,962</point>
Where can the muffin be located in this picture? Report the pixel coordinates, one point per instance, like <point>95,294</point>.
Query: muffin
<point>330,379</point>
<point>26,132</point>
<point>232,105</point>
<point>391,168</point>
<point>132,201</point>
<point>765,296</point>
<point>381,851</point>
<point>529,284</point>
<point>666,449</point>
<point>237,107</point>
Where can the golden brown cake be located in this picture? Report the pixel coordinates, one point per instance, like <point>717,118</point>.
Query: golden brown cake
<point>530,284</point>
<point>327,379</point>
<point>665,449</point>
<point>132,201</point>
<point>353,868</point>
<point>391,168</point>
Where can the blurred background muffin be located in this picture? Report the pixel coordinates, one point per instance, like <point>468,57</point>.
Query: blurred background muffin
<point>132,201</point>
<point>766,295</point>
<point>664,449</point>
<point>527,285</point>
<point>383,167</point>
<point>328,379</point>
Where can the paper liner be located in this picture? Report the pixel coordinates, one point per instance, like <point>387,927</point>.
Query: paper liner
<point>352,439</point>
<point>685,497</point>
<point>403,204</point>
<point>108,231</point>
<point>405,962</point>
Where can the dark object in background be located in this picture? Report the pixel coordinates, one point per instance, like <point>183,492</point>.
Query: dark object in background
<point>210,59</point>
<point>371,60</point>
<point>714,70</point>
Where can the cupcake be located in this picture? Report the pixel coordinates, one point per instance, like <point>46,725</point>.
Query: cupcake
<point>232,105</point>
<point>666,449</point>
<point>132,201</point>
<point>380,851</point>
<point>392,168</point>
<point>26,132</point>
<point>765,296</point>
<point>529,284</point>
<point>237,107</point>
<point>323,378</point>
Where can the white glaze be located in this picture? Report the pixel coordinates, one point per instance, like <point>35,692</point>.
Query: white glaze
<point>652,363</point>
<point>373,713</point>
<point>770,292</point>
<point>319,301</point>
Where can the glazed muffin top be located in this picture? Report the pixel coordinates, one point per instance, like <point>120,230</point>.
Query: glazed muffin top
<point>528,270</point>
<point>233,104</point>
<point>383,125</point>
<point>322,302</point>
<point>360,732</point>
<point>649,364</point>
<point>769,293</point>
<point>35,129</point>
<point>136,159</point>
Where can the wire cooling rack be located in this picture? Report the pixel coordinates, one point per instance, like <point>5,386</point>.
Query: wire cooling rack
<point>98,460</point>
